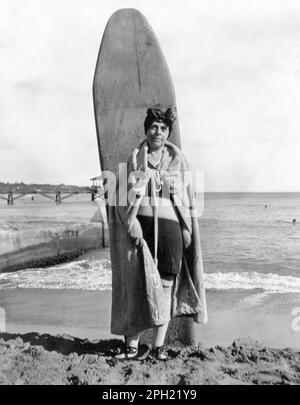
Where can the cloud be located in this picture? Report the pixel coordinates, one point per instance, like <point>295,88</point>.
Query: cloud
<point>33,87</point>
<point>235,67</point>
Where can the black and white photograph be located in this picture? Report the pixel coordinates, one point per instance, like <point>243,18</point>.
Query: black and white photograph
<point>149,195</point>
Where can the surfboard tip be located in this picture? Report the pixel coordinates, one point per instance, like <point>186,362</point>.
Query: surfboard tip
<point>126,12</point>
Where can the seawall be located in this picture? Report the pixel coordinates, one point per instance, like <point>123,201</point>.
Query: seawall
<point>29,248</point>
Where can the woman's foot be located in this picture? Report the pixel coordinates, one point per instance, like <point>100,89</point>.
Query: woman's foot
<point>129,353</point>
<point>160,353</point>
<point>133,353</point>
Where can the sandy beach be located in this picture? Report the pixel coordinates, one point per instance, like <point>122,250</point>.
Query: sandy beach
<point>62,337</point>
<point>44,359</point>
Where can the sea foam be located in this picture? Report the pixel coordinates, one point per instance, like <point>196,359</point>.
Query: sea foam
<point>95,274</point>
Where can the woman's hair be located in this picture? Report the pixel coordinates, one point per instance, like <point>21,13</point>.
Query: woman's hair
<point>156,114</point>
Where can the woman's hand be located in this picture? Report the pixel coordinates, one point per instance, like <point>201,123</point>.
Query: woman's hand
<point>186,238</point>
<point>136,233</point>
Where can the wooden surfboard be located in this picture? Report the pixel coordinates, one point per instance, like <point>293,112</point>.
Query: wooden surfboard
<point>132,75</point>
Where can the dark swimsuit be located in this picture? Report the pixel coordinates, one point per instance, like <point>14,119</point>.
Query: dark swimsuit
<point>170,243</point>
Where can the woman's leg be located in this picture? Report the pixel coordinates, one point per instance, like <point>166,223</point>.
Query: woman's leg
<point>159,332</point>
<point>170,250</point>
<point>133,341</point>
<point>131,348</point>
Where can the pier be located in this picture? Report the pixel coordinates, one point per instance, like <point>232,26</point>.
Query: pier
<point>57,196</point>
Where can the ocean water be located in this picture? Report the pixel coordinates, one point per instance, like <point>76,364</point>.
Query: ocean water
<point>251,249</point>
<point>43,213</point>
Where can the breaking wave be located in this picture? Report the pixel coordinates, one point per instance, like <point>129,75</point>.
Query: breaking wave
<point>93,273</point>
<point>269,282</point>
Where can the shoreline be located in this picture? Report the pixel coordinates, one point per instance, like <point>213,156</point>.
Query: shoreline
<point>86,314</point>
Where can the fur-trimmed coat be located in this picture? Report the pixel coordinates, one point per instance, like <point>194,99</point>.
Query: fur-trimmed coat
<point>137,292</point>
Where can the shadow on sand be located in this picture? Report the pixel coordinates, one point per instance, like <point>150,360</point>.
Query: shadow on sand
<point>66,344</point>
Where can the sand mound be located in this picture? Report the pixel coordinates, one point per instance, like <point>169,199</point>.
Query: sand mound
<point>62,359</point>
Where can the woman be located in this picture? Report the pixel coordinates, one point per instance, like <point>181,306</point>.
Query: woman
<point>156,258</point>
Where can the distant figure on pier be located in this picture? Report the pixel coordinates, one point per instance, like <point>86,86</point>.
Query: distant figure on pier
<point>266,206</point>
<point>294,221</point>
<point>58,197</point>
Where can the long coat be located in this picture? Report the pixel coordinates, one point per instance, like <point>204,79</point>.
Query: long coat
<point>137,292</point>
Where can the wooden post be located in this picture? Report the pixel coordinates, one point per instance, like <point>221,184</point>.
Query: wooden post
<point>103,235</point>
<point>93,192</point>
<point>10,198</point>
<point>181,332</point>
<point>2,320</point>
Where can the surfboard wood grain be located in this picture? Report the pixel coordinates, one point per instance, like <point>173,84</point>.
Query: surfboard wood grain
<point>131,75</point>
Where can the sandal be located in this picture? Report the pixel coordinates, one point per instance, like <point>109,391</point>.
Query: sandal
<point>133,353</point>
<point>160,353</point>
<point>129,353</point>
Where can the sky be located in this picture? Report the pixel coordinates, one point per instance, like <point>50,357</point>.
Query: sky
<point>236,71</point>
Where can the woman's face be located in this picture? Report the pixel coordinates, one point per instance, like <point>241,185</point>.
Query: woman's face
<point>157,135</point>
